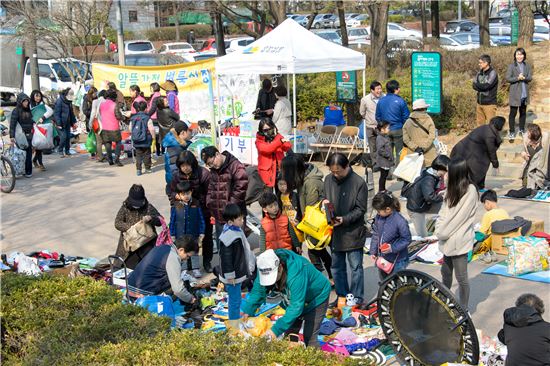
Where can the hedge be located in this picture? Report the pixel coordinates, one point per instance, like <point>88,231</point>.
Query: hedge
<point>60,321</point>
<point>169,33</point>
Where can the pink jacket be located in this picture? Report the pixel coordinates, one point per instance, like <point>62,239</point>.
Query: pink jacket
<point>139,98</point>
<point>109,122</point>
<point>152,106</point>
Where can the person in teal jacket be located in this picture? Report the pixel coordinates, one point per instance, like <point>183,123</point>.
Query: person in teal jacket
<point>305,292</point>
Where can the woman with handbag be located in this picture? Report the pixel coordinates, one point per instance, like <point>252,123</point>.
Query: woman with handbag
<point>21,126</point>
<point>455,227</point>
<point>94,124</point>
<point>419,132</point>
<point>136,209</point>
<point>390,236</point>
<point>37,98</point>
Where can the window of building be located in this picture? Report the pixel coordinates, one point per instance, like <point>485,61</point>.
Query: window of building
<point>132,16</point>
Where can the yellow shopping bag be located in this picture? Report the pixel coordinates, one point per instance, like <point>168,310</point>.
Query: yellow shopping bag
<point>315,224</point>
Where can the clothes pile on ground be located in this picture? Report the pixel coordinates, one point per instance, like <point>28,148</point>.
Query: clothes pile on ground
<point>528,194</point>
<point>492,352</point>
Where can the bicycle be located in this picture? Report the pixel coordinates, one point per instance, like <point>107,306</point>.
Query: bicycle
<point>7,171</point>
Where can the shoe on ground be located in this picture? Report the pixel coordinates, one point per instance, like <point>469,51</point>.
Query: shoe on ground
<point>35,164</point>
<point>118,163</point>
<point>111,163</point>
<point>28,175</point>
<point>138,173</point>
<point>102,159</point>
<point>494,256</point>
<point>148,171</point>
<point>486,258</point>
<point>197,273</point>
<point>207,268</point>
<point>511,135</point>
<point>42,168</point>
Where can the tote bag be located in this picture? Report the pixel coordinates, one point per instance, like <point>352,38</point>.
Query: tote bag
<point>410,167</point>
<point>137,235</point>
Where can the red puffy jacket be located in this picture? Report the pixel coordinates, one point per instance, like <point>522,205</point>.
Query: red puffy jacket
<point>270,155</point>
<point>276,232</point>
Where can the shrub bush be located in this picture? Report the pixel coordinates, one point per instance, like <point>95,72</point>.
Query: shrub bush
<point>111,34</point>
<point>61,321</point>
<point>396,18</point>
<point>169,33</point>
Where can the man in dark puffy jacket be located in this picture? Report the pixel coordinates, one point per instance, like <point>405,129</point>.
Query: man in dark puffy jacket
<point>348,192</point>
<point>525,333</point>
<point>228,183</point>
<point>486,86</point>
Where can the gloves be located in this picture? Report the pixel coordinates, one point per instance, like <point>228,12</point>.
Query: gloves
<point>419,150</point>
<point>495,165</point>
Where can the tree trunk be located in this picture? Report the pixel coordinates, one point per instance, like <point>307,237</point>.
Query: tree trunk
<point>218,32</point>
<point>483,21</point>
<point>31,47</point>
<point>278,11</point>
<point>526,23</point>
<point>177,20</point>
<point>424,22</point>
<point>378,14</point>
<point>342,17</point>
<point>434,5</point>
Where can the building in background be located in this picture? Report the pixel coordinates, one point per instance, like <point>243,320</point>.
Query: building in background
<point>137,15</point>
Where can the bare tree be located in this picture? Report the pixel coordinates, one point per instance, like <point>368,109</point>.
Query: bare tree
<point>378,14</point>
<point>526,23</point>
<point>434,10</point>
<point>70,26</point>
<point>483,11</point>
<point>342,18</point>
<point>262,14</point>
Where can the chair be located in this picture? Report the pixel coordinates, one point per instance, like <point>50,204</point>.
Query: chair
<point>325,140</point>
<point>347,139</point>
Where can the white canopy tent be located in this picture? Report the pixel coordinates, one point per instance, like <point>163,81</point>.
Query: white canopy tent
<point>291,49</point>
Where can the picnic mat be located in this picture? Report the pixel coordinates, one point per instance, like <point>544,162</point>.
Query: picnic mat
<point>501,270</point>
<point>541,196</point>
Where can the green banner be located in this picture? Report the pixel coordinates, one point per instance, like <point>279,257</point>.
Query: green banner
<point>346,87</point>
<point>426,78</point>
<point>515,26</point>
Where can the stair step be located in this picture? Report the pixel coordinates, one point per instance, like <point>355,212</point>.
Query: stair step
<point>508,169</point>
<point>509,157</point>
<point>539,108</point>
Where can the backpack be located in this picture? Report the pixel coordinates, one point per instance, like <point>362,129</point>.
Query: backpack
<point>139,129</point>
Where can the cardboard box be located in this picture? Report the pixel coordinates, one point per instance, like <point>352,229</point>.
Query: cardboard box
<point>498,239</point>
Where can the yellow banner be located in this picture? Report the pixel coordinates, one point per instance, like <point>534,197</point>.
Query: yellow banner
<point>189,76</point>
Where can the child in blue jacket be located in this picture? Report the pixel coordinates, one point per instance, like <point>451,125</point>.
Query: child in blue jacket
<point>391,235</point>
<point>186,218</point>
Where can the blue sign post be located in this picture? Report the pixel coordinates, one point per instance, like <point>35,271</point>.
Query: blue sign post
<point>427,79</point>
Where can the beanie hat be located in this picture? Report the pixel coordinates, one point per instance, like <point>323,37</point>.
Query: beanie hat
<point>136,196</point>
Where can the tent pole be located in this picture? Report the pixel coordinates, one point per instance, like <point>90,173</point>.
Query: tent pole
<point>364,122</point>
<point>294,107</point>
<point>213,112</point>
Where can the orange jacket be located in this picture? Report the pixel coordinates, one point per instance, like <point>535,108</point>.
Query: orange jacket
<point>276,232</point>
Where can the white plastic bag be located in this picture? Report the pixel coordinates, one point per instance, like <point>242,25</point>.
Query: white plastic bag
<point>17,157</point>
<point>27,265</point>
<point>410,167</point>
<point>42,138</point>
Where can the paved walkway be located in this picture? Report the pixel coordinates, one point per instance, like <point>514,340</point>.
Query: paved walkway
<point>71,209</point>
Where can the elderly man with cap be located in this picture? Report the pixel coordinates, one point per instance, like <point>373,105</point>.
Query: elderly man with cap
<point>305,292</point>
<point>419,132</point>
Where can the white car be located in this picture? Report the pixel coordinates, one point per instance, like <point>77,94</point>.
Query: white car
<point>138,47</point>
<point>53,75</point>
<point>540,20</point>
<point>396,31</point>
<point>357,35</point>
<point>356,21</point>
<point>542,32</point>
<point>177,48</point>
<point>453,44</point>
<point>237,44</point>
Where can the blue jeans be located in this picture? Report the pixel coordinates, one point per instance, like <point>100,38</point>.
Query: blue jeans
<point>234,300</point>
<point>340,273</point>
<point>399,265</point>
<point>64,140</point>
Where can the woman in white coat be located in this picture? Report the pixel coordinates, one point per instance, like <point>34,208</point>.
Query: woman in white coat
<point>282,113</point>
<point>94,114</point>
<point>455,227</point>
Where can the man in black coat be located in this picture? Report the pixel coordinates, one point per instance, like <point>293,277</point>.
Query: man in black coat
<point>525,333</point>
<point>348,192</point>
<point>479,149</point>
<point>486,86</point>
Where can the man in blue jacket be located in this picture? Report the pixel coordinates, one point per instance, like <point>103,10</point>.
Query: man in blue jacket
<point>393,108</point>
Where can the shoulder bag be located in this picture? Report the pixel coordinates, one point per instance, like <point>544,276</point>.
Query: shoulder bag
<point>137,235</point>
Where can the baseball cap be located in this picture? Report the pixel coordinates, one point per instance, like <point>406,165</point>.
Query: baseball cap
<point>268,267</point>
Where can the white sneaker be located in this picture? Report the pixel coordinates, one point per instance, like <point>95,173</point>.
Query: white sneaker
<point>197,273</point>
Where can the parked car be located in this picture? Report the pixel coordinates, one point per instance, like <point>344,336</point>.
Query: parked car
<point>403,46</point>
<point>499,20</point>
<point>470,38</point>
<point>323,21</point>
<point>138,47</point>
<point>329,35</point>
<point>396,31</point>
<point>456,26</point>
<point>359,35</point>
<point>236,44</point>
<point>177,48</point>
<point>540,19</point>
<point>504,13</point>
<point>303,20</point>
<point>200,56</point>
<point>154,60</point>
<point>452,44</point>
<point>53,75</point>
<point>541,31</point>
<point>357,21</point>
<point>347,17</point>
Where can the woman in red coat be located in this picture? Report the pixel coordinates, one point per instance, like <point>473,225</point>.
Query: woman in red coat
<point>271,150</point>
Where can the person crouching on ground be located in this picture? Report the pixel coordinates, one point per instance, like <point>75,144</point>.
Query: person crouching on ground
<point>236,259</point>
<point>391,235</point>
<point>305,292</point>
<point>186,218</point>
<point>160,270</point>
<point>276,231</point>
<point>525,333</point>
